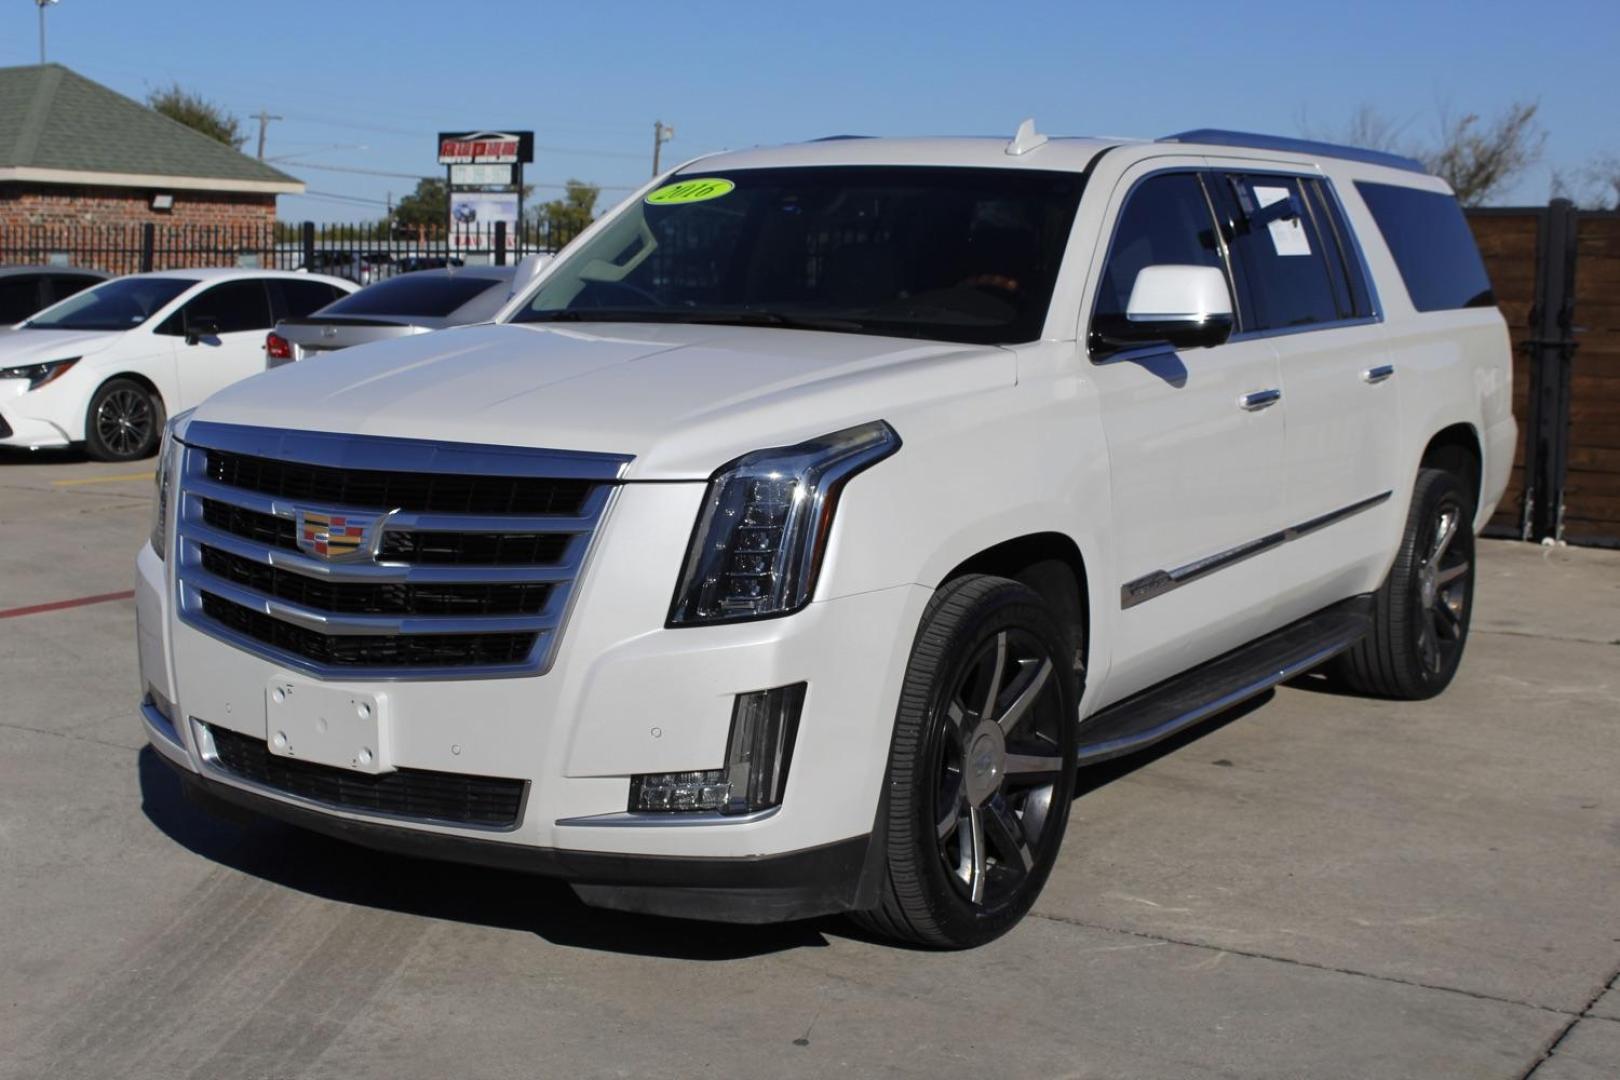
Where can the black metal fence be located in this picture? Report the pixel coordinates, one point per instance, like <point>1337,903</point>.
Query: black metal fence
<point>362,252</point>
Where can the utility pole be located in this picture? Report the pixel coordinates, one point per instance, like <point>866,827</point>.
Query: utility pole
<point>662,133</point>
<point>263,117</point>
<point>43,4</point>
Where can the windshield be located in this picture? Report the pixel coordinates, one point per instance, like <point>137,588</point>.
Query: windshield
<point>122,304</point>
<point>951,254</point>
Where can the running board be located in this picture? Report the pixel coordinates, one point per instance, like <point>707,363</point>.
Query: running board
<point>1215,686</point>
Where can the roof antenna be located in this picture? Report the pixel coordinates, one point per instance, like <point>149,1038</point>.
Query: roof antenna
<point>1027,138</point>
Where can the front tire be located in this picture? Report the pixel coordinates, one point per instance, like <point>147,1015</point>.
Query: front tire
<point>982,768</point>
<point>1422,611</point>
<point>124,422</point>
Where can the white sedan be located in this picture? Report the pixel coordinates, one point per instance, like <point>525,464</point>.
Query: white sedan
<point>105,366</point>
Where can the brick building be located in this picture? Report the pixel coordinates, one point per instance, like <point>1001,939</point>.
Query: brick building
<point>74,153</point>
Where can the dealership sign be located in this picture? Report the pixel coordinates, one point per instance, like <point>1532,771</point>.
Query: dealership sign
<point>485,147</point>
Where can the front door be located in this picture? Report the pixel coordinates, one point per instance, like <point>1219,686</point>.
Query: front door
<point>1195,444</point>
<point>219,338</point>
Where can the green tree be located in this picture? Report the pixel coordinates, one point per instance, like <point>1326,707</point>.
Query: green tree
<point>198,113</point>
<point>567,217</point>
<point>428,205</point>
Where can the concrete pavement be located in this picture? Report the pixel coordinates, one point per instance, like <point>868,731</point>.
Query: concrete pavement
<point>1317,886</point>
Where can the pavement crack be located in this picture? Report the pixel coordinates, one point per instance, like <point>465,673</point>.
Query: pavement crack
<point>67,735</point>
<point>1574,1022</point>
<point>1253,955</point>
<point>1544,637</point>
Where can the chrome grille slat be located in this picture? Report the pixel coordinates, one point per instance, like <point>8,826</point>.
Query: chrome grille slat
<point>440,604</point>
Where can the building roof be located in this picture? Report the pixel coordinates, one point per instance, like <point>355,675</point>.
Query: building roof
<point>56,126</point>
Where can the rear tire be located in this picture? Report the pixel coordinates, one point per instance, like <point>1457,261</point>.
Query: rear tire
<point>982,767</point>
<point>124,422</point>
<point>1420,621</point>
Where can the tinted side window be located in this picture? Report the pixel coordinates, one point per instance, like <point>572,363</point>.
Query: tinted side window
<point>232,307</point>
<point>295,299</point>
<point>1280,254</point>
<point>1165,221</point>
<point>1344,263</point>
<point>1432,244</point>
<point>19,298</point>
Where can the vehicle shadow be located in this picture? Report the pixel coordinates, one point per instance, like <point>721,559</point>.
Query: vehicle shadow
<point>349,874</point>
<point>16,455</point>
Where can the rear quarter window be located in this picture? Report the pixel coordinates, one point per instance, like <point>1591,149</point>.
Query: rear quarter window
<point>1433,247</point>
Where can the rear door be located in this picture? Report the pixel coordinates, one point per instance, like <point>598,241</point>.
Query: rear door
<point>1307,292</point>
<point>239,311</point>
<point>1195,453</point>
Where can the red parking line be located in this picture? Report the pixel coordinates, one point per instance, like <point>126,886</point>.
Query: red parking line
<point>35,609</point>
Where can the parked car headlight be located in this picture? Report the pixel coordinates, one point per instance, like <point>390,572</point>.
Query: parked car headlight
<point>39,375</point>
<point>163,479</point>
<point>764,525</point>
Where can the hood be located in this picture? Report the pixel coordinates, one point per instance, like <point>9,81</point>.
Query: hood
<point>26,345</point>
<point>682,399</point>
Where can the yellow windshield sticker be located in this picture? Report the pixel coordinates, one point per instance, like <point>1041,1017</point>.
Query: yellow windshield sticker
<point>689,191</point>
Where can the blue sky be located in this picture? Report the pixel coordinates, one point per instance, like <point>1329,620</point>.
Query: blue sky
<point>365,85</point>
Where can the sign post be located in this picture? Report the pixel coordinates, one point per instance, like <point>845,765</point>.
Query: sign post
<point>484,181</point>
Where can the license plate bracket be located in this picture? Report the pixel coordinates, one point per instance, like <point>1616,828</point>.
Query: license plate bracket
<point>328,725</point>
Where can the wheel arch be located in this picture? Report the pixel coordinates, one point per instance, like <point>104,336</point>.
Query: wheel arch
<point>1052,565</point>
<point>1457,450</point>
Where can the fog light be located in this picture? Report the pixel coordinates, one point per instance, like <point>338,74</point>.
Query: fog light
<point>764,725</point>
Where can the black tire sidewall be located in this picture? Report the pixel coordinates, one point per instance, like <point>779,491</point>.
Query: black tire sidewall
<point>1434,488</point>
<point>93,444</point>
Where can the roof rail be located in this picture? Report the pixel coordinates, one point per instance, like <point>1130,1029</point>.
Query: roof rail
<point>1252,141</point>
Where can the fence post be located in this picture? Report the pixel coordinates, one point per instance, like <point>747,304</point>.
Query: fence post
<point>500,243</point>
<point>1551,350</point>
<point>148,243</point>
<point>308,229</point>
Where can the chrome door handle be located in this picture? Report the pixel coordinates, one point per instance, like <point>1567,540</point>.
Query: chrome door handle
<point>1378,374</point>
<point>1260,399</point>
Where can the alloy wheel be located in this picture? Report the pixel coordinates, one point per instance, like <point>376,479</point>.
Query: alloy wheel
<point>1000,761</point>
<point>1442,581</point>
<point>124,421</point>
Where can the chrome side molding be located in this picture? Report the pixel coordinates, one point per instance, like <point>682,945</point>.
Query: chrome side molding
<point>1159,582</point>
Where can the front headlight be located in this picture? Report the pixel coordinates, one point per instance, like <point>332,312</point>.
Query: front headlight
<point>39,375</point>
<point>163,479</point>
<point>763,529</point>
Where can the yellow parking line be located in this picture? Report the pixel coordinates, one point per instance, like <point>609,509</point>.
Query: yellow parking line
<point>102,479</point>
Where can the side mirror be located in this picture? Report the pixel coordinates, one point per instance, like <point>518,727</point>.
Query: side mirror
<point>1186,307</point>
<point>528,268</point>
<point>199,327</point>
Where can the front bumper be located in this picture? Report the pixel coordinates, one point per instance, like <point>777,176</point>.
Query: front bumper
<point>624,696</point>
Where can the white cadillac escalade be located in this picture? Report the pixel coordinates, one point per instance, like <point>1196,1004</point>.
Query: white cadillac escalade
<point>787,544</point>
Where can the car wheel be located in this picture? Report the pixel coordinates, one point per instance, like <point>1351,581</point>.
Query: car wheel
<point>125,421</point>
<point>982,767</point>
<point>1421,614</point>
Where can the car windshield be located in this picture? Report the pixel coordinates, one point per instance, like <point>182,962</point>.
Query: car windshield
<point>121,304</point>
<point>950,254</point>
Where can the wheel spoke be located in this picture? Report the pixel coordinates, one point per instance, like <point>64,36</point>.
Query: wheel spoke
<point>1032,768</point>
<point>1429,644</point>
<point>1449,620</point>
<point>956,717</point>
<point>1027,693</point>
<point>998,669</point>
<point>1452,573</point>
<point>1447,532</point>
<point>974,835</point>
<point>1007,833</point>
